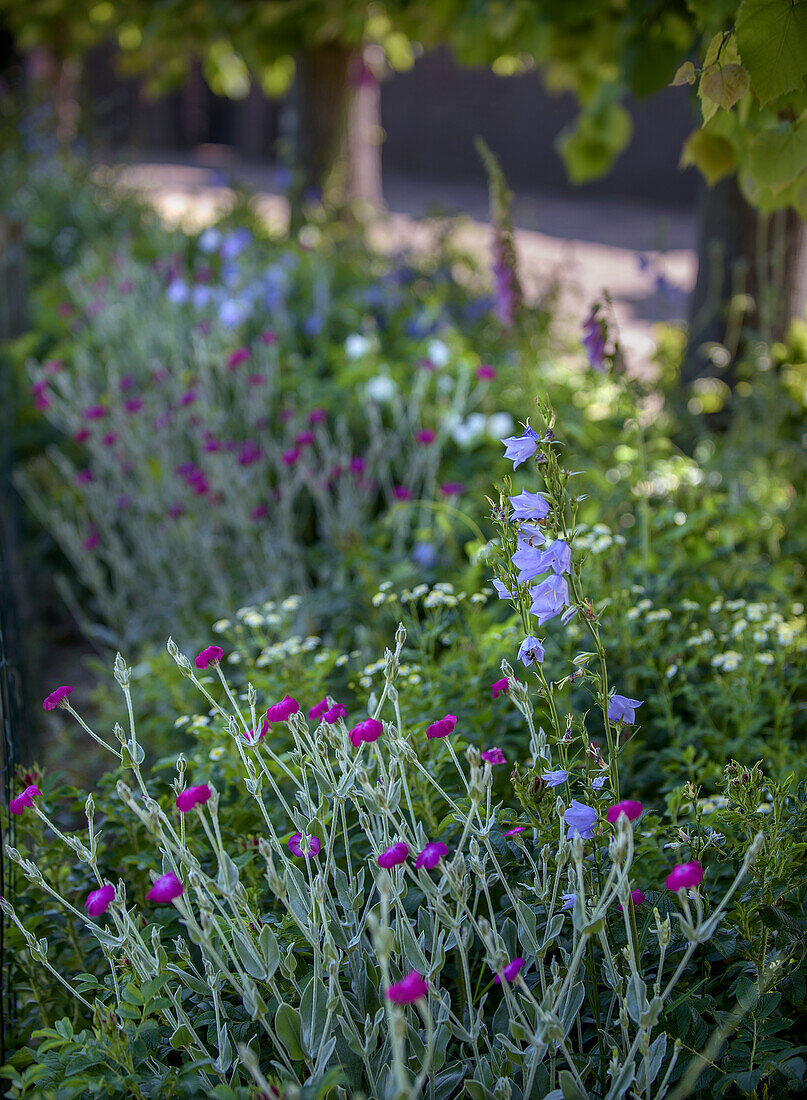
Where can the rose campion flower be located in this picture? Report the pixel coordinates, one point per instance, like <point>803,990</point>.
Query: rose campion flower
<point>485,372</point>
<point>317,416</point>
<point>193,796</point>
<point>339,710</point>
<point>304,439</point>
<point>290,457</point>
<point>165,889</point>
<point>636,898</point>
<point>510,972</point>
<point>317,711</point>
<point>431,855</point>
<point>623,709</point>
<point>515,830</point>
<point>133,405</point>
<point>409,989</point>
<point>367,731</point>
<point>580,819</point>
<point>282,711</point>
<point>394,855</point>
<point>452,489</point>
<point>208,656</point>
<point>518,448</point>
<point>500,687</point>
<point>531,651</point>
<point>555,779</point>
<point>627,806</point>
<point>237,357</point>
<point>81,436</point>
<point>528,505</point>
<point>269,337</point>
<point>96,412</point>
<point>24,800</point>
<point>550,597</point>
<point>493,756</point>
<point>294,845</point>
<point>685,876</point>
<point>99,900</point>
<point>92,541</point>
<point>400,492</point>
<point>56,697</point>
<point>442,727</point>
<point>426,437</point>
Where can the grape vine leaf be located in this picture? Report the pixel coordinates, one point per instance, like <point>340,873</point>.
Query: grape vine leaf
<point>779,155</point>
<point>712,154</point>
<point>772,40</point>
<point>725,84</point>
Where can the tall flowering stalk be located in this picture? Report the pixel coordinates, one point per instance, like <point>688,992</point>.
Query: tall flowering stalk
<point>507,290</point>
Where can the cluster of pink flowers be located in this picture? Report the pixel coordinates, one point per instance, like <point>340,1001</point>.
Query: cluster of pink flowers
<point>324,712</point>
<point>398,853</point>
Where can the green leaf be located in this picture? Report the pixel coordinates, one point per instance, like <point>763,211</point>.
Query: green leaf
<point>287,1026</point>
<point>778,156</point>
<point>685,75</point>
<point>711,154</point>
<point>569,1087</point>
<point>772,40</point>
<point>724,84</point>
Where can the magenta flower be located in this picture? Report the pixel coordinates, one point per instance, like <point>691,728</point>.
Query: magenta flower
<point>357,465</point>
<point>250,736</point>
<point>193,796</point>
<point>165,889</point>
<point>442,727</point>
<point>288,458</point>
<point>500,687</point>
<point>627,806</point>
<point>369,730</point>
<point>260,511</point>
<point>237,357</point>
<point>317,712</point>
<point>256,379</point>
<point>594,330</point>
<point>188,398</point>
<point>411,988</point>
<point>56,698</point>
<point>515,830</point>
<point>685,876</point>
<point>98,901</point>
<point>400,492</point>
<point>636,898</point>
<point>133,405</point>
<point>269,337</point>
<point>426,436</point>
<point>510,972</point>
<point>395,854</point>
<point>24,800</point>
<point>294,845</point>
<point>282,711</point>
<point>486,372</point>
<point>96,412</point>
<point>431,855</point>
<point>250,452</point>
<point>84,477</point>
<point>337,711</point>
<point>109,439</point>
<point>317,416</point>
<point>91,541</point>
<point>493,756</point>
<point>304,439</point>
<point>452,489</point>
<point>81,436</point>
<point>208,656</point>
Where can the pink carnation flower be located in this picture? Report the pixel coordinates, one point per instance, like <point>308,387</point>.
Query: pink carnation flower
<point>510,972</point>
<point>193,796</point>
<point>98,901</point>
<point>408,989</point>
<point>494,756</point>
<point>56,698</point>
<point>431,855</point>
<point>24,800</point>
<point>165,889</point>
<point>295,847</point>
<point>685,876</point>
<point>394,855</point>
<point>628,807</point>
<point>369,730</point>
<point>442,727</point>
<point>207,656</point>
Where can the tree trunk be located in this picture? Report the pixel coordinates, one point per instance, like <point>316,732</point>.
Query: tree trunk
<point>61,77</point>
<point>752,277</point>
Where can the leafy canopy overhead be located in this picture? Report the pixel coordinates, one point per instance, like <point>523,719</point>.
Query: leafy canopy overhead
<point>747,60</point>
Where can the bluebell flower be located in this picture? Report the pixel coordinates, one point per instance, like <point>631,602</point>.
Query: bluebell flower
<point>599,782</point>
<point>623,709</point>
<point>518,448</point>
<point>209,240</point>
<point>504,593</point>
<point>201,295</point>
<point>233,312</point>
<point>528,505</point>
<point>568,901</point>
<point>550,597</point>
<point>235,242</point>
<point>531,561</point>
<point>556,778</point>
<point>581,820</point>
<point>177,291</point>
<point>312,325</point>
<point>230,274</point>
<point>531,652</point>
<point>424,554</point>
